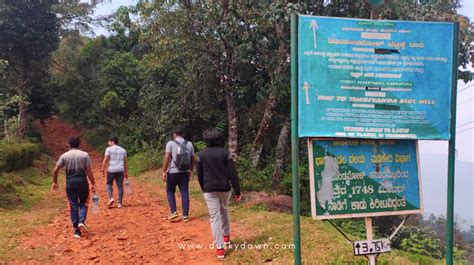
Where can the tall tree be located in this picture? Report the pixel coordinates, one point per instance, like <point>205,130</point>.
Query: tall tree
<point>29,32</point>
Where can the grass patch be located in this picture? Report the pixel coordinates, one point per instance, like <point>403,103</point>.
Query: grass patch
<point>141,162</point>
<point>20,188</point>
<point>18,155</point>
<point>25,203</point>
<point>272,233</point>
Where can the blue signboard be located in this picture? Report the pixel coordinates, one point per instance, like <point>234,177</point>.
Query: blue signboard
<point>362,177</point>
<point>374,78</point>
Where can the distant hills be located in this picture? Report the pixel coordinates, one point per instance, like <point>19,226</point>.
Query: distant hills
<point>434,169</point>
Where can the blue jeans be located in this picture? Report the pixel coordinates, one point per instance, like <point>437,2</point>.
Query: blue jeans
<point>182,181</point>
<point>78,196</point>
<point>118,176</point>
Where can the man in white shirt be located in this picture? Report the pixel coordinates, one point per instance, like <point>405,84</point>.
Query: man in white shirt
<point>116,160</point>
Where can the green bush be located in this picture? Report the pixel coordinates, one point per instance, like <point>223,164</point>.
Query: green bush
<point>26,186</point>
<point>252,179</point>
<point>18,156</point>
<point>419,240</point>
<point>143,161</point>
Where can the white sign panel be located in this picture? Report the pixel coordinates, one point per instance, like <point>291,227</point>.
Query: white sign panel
<point>369,247</point>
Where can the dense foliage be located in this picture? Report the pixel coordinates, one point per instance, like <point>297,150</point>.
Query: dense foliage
<point>202,64</point>
<point>17,156</point>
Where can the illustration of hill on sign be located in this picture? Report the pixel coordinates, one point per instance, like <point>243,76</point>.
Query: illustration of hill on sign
<point>355,178</point>
<point>374,79</point>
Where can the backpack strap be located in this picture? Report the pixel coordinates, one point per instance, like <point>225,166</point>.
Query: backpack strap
<point>178,143</point>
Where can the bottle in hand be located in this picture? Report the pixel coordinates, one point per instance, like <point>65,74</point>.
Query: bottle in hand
<point>127,187</point>
<point>95,203</point>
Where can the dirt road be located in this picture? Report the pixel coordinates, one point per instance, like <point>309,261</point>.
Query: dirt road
<point>137,233</point>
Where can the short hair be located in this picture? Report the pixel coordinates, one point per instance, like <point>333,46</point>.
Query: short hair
<point>178,129</point>
<point>114,139</point>
<point>74,142</point>
<point>213,137</point>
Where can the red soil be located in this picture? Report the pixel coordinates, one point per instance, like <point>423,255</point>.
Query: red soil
<point>137,233</point>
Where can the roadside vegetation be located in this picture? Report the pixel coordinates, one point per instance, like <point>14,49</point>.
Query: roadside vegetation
<point>198,64</point>
<point>26,203</point>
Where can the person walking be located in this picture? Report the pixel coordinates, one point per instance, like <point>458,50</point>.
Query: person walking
<point>216,174</point>
<point>177,168</point>
<point>115,166</point>
<point>78,170</point>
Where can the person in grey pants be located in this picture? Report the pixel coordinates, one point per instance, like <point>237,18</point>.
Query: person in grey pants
<point>115,166</point>
<point>216,174</point>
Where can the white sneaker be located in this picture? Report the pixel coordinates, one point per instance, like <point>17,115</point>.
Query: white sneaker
<point>111,202</point>
<point>83,228</point>
<point>119,205</point>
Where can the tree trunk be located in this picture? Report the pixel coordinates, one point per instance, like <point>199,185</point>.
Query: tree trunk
<point>280,154</point>
<point>21,131</point>
<point>274,75</point>
<point>257,144</point>
<point>231,118</point>
<point>5,127</point>
<point>23,108</point>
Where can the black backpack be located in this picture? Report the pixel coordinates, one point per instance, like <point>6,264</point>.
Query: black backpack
<point>183,156</point>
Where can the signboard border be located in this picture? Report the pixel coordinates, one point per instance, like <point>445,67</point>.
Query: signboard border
<point>453,77</point>
<point>312,185</point>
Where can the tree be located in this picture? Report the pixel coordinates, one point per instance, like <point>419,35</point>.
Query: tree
<point>29,32</point>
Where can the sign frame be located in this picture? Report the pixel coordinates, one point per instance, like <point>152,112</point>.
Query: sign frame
<point>355,215</point>
<point>431,122</point>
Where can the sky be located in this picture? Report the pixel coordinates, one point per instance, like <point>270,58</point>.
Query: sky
<point>467,9</point>
<point>433,154</point>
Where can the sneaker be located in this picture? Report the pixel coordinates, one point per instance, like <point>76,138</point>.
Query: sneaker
<point>172,216</point>
<point>111,202</point>
<point>119,205</point>
<point>220,253</point>
<point>82,227</point>
<point>227,240</point>
<point>185,219</point>
<point>77,233</point>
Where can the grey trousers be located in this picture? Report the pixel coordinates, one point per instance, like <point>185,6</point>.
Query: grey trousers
<point>218,205</point>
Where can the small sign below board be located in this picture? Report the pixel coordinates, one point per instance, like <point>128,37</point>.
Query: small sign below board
<point>369,247</point>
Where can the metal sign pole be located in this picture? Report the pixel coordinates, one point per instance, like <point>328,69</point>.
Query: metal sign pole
<point>294,138</point>
<point>452,150</point>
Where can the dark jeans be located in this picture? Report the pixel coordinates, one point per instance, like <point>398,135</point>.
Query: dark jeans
<point>77,191</point>
<point>182,181</point>
<point>119,176</point>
